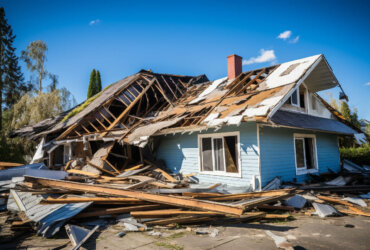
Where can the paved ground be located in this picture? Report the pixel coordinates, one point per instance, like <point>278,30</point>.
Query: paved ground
<point>350,232</point>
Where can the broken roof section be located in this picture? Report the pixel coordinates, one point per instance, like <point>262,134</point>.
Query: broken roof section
<point>147,103</point>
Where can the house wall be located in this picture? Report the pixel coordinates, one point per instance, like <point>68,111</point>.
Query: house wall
<point>181,154</point>
<point>278,156</point>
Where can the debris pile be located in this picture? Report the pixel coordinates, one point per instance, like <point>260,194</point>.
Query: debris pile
<point>146,196</point>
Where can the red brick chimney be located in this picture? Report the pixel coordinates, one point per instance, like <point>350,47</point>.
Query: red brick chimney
<point>234,66</point>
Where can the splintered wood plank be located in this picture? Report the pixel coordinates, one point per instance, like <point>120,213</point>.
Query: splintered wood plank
<point>159,87</point>
<point>249,204</point>
<point>169,213</point>
<point>240,82</point>
<point>252,195</point>
<point>358,211</point>
<point>354,211</point>
<point>277,216</point>
<point>105,200</point>
<point>4,165</point>
<point>334,200</point>
<point>92,125</point>
<point>101,123</point>
<point>106,109</point>
<point>133,168</point>
<point>120,99</point>
<point>177,87</point>
<point>85,128</point>
<point>77,132</point>
<point>66,132</point>
<point>165,175</point>
<point>111,165</point>
<point>156,198</point>
<point>68,164</point>
<point>202,195</point>
<point>101,169</point>
<point>180,220</point>
<point>173,93</point>
<point>123,114</point>
<point>75,171</point>
<point>119,210</point>
<point>251,82</point>
<point>104,117</point>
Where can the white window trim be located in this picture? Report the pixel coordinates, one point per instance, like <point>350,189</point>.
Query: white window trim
<point>305,171</point>
<point>219,135</point>
<point>68,147</point>
<point>291,99</point>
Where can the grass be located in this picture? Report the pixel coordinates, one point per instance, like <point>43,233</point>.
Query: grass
<point>290,218</point>
<point>84,105</point>
<point>176,235</point>
<point>80,108</point>
<point>168,245</point>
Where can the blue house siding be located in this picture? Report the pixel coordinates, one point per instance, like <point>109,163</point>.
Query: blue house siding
<point>277,153</point>
<point>181,154</point>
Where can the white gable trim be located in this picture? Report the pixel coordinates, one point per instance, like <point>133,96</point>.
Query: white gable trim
<point>278,106</point>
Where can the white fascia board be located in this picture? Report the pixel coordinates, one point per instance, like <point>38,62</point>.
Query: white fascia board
<point>308,72</point>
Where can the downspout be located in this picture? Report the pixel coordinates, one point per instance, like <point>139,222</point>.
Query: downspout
<point>259,157</point>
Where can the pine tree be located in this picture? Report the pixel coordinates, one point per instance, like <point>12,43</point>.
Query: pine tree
<point>91,91</point>
<point>11,79</point>
<point>345,110</point>
<point>98,82</point>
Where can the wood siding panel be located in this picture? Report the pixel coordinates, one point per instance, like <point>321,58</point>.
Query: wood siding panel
<point>181,154</point>
<point>277,153</point>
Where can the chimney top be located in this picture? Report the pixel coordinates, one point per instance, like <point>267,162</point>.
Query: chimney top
<point>234,66</point>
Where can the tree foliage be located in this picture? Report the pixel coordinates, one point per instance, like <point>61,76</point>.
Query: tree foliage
<point>349,115</point>
<point>91,91</point>
<point>95,85</point>
<point>367,129</point>
<point>98,82</point>
<point>358,155</point>
<point>12,84</point>
<point>34,108</point>
<point>35,56</point>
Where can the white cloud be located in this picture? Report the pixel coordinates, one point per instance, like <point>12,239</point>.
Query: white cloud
<point>367,84</point>
<point>93,22</point>
<point>295,40</point>
<point>285,35</point>
<point>265,56</point>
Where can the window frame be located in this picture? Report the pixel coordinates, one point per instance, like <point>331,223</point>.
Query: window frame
<point>302,171</point>
<point>296,91</point>
<point>219,135</point>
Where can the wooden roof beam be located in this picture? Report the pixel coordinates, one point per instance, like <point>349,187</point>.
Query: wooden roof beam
<point>126,111</point>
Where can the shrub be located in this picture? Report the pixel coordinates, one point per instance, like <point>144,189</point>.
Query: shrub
<point>359,155</point>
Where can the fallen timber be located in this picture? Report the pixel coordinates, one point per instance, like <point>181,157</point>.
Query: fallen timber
<point>168,200</point>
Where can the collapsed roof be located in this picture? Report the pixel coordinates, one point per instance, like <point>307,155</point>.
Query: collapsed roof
<point>146,103</point>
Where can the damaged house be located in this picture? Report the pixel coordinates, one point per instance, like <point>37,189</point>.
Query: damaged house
<point>242,130</point>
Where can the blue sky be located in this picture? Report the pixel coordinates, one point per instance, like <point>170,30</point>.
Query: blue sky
<point>184,37</point>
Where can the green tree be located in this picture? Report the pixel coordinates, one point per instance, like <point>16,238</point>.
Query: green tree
<point>98,82</point>
<point>91,91</point>
<point>349,115</point>
<point>35,56</point>
<point>367,129</point>
<point>345,110</point>
<point>11,79</point>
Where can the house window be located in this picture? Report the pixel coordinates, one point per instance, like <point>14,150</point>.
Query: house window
<point>298,98</point>
<point>66,153</point>
<point>219,153</point>
<point>294,98</point>
<point>305,153</point>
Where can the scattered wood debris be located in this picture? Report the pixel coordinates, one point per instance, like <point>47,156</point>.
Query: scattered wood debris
<point>146,195</point>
